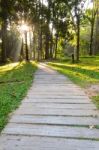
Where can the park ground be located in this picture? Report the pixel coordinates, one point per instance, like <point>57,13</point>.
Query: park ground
<point>16,79</point>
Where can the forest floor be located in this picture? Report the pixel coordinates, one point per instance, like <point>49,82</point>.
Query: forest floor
<point>85,74</point>
<point>15,80</point>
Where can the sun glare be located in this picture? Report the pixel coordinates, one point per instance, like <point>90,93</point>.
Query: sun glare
<point>24,27</point>
<point>45,2</point>
<point>25,32</point>
<point>88,4</point>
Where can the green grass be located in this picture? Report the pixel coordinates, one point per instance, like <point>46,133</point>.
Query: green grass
<point>84,73</point>
<point>96,100</point>
<point>15,80</point>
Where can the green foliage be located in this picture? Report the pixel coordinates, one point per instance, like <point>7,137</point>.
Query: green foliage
<point>96,100</point>
<point>15,80</point>
<point>85,40</point>
<point>7,9</point>
<point>65,17</point>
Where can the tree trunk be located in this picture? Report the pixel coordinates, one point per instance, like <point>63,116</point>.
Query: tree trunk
<point>78,39</point>
<point>26,47</point>
<point>30,46</point>
<point>22,51</point>
<point>40,44</point>
<point>77,30</point>
<point>4,39</point>
<point>56,46</point>
<point>47,47</point>
<point>51,47</point>
<point>96,42</point>
<point>91,39</point>
<point>97,37</point>
<point>34,43</point>
<point>38,48</point>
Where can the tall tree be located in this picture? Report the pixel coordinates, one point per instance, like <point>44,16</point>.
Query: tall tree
<point>7,13</point>
<point>91,16</point>
<point>96,5</point>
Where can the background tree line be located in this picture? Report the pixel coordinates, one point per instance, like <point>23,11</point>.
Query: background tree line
<point>56,28</point>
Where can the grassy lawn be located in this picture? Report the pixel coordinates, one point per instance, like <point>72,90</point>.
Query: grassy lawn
<point>15,80</point>
<point>85,73</point>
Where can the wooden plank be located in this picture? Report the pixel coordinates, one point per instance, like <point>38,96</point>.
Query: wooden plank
<point>45,143</point>
<point>60,112</point>
<point>58,96</point>
<point>51,131</point>
<point>60,101</point>
<point>55,120</point>
<point>66,94</point>
<point>59,105</point>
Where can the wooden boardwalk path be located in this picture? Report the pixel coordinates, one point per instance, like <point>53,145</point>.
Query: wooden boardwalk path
<point>55,115</point>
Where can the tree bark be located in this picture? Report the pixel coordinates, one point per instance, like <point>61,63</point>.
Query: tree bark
<point>78,39</point>
<point>47,47</point>
<point>26,47</point>
<point>56,46</point>
<point>4,39</point>
<point>22,50</point>
<point>40,44</point>
<point>51,47</point>
<point>34,43</point>
<point>91,39</point>
<point>96,42</point>
<point>97,36</point>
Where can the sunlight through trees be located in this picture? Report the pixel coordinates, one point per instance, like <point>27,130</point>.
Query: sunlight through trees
<point>48,29</point>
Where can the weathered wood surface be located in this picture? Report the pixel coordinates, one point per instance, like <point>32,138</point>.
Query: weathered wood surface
<point>55,115</point>
<point>45,143</point>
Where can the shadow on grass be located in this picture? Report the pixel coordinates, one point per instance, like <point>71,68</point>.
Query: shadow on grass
<point>12,93</point>
<point>80,76</point>
<point>87,72</point>
<point>6,72</point>
<point>16,72</point>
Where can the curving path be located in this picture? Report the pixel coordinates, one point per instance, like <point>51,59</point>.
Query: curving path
<point>55,115</point>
